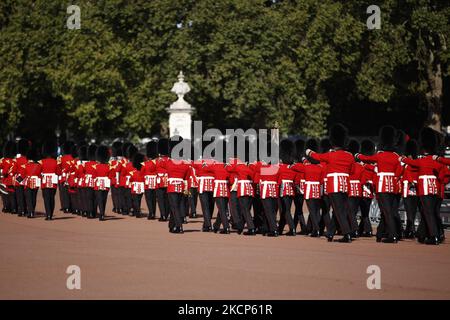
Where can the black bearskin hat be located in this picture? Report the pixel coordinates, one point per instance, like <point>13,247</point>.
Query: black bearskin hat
<point>102,154</point>
<point>353,146</point>
<point>287,151</point>
<point>138,159</point>
<point>163,147</point>
<point>412,149</point>
<point>151,149</point>
<point>116,149</point>
<point>91,152</point>
<point>428,140</point>
<point>49,149</point>
<point>67,147</point>
<point>312,144</point>
<point>325,145</point>
<point>131,151</point>
<point>9,149</point>
<point>338,136</point>
<point>400,141</point>
<point>22,147</point>
<point>32,154</point>
<point>299,149</point>
<point>387,138</point>
<point>82,153</point>
<point>367,147</point>
<point>124,148</point>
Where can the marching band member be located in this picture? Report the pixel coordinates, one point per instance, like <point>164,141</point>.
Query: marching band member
<point>7,165</point>
<point>115,160</point>
<point>299,182</point>
<point>72,182</point>
<point>102,179</point>
<point>137,182</point>
<point>32,182</point>
<point>149,172</point>
<point>368,190</point>
<point>64,162</point>
<point>205,191</point>
<point>193,186</point>
<point>267,176</point>
<point>339,165</point>
<point>428,187</point>
<point>356,180</point>
<point>389,170</point>
<point>50,173</point>
<point>125,176</point>
<point>79,179</point>
<point>286,186</point>
<point>234,207</point>
<point>325,219</point>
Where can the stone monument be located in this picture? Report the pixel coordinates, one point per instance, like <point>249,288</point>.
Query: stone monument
<point>180,111</point>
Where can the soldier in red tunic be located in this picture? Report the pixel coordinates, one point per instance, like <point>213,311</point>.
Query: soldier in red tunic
<point>339,166</point>
<point>267,175</point>
<point>410,176</point>
<point>299,182</point>
<point>286,178</point>
<point>368,190</point>
<point>7,165</point>
<point>22,148</point>
<point>161,179</point>
<point>50,173</point>
<point>428,186</point>
<point>193,185</point>
<point>355,188</point>
<point>137,182</point>
<point>32,182</point>
<point>325,218</point>
<point>89,171</point>
<point>205,190</point>
<point>65,161</point>
<point>389,170</point>
<point>116,158</point>
<point>125,176</point>
<point>102,179</point>
<point>149,172</point>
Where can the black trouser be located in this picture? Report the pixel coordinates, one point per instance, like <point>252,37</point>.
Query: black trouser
<point>270,212</point>
<point>136,200</point>
<point>353,203</point>
<point>150,199</point>
<point>285,214</point>
<point>259,216</point>
<point>440,225</point>
<point>325,219</point>
<point>397,219</point>
<point>64,196</point>
<point>193,197</point>
<point>339,203</point>
<point>235,211</point>
<point>314,213</point>
<point>114,198</point>
<point>30,199</point>
<point>176,214</point>
<point>298,215</point>
<point>185,205</point>
<point>245,203</point>
<point>127,204</point>
<point>75,200</point>
<point>90,201</point>
<point>222,203</point>
<point>430,216</point>
<point>20,199</point>
<point>207,204</point>
<point>411,204</point>
<point>4,202</point>
<point>49,201</point>
<point>364,225</point>
<point>163,203</point>
<point>101,196</point>
<point>387,226</point>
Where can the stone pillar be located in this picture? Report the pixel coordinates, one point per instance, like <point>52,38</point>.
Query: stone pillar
<point>180,111</point>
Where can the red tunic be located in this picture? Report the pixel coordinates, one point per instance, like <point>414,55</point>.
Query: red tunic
<point>268,180</point>
<point>221,176</point>
<point>19,170</point>
<point>161,172</point>
<point>244,176</point>
<point>205,178</point>
<point>102,176</point>
<point>148,170</point>
<point>177,174</point>
<point>286,178</point>
<point>339,166</point>
<point>50,172</point>
<point>7,166</point>
<point>64,162</point>
<point>409,181</point>
<point>137,182</point>
<point>33,172</point>
<point>313,174</point>
<point>428,173</point>
<point>356,180</point>
<point>368,177</point>
<point>89,172</point>
<point>389,170</point>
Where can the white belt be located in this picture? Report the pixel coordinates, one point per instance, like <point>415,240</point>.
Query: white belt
<point>242,183</point>
<point>425,182</point>
<point>265,183</point>
<point>335,176</point>
<point>312,182</point>
<point>175,180</point>
<point>53,177</point>
<point>205,177</point>
<point>355,181</point>
<point>287,181</point>
<point>220,181</point>
<point>380,180</point>
<point>201,182</point>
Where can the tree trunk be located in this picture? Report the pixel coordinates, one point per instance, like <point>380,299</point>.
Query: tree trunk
<point>434,93</point>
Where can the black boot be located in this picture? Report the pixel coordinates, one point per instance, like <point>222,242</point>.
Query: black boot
<point>432,241</point>
<point>315,234</point>
<point>329,238</point>
<point>101,218</point>
<point>291,233</point>
<point>273,234</point>
<point>177,230</point>
<point>250,232</point>
<point>206,229</point>
<point>225,231</point>
<point>390,240</point>
<point>346,239</point>
<point>240,230</point>
<point>194,215</point>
